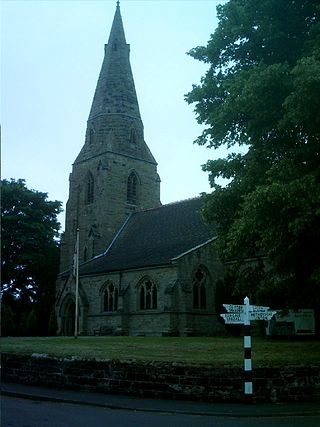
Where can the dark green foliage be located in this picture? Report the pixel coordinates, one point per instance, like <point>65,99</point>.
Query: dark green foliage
<point>30,253</point>
<point>23,329</point>
<point>53,325</point>
<point>261,96</point>
<point>8,325</point>
<point>31,326</point>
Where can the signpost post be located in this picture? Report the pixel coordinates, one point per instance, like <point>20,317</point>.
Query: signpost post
<point>248,391</point>
<point>244,314</point>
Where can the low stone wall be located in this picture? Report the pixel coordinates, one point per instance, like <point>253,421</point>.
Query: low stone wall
<point>164,380</point>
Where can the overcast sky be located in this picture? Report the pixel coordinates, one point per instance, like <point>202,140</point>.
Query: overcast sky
<point>51,55</point>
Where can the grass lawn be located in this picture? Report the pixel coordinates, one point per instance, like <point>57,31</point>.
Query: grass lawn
<point>216,351</point>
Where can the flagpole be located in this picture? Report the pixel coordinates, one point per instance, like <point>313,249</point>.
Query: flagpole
<point>77,287</point>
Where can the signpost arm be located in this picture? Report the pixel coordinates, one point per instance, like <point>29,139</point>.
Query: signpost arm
<point>248,391</point>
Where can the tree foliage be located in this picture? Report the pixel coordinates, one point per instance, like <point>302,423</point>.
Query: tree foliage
<point>30,253</point>
<point>53,324</point>
<point>260,98</point>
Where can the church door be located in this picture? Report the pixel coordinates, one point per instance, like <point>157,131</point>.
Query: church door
<point>68,318</point>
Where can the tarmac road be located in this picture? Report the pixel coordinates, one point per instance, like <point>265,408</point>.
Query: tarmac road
<point>27,406</point>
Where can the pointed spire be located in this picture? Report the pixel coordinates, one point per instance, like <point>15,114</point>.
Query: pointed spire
<point>115,91</point>
<point>117,31</point>
<point>114,122</point>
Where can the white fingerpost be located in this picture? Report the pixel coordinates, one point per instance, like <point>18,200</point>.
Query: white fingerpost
<point>242,315</point>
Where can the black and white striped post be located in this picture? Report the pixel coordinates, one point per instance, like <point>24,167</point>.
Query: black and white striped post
<point>248,389</point>
<point>242,315</point>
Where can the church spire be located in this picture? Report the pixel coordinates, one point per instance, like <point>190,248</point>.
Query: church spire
<point>117,31</point>
<point>115,171</point>
<point>114,122</point>
<point>115,91</point>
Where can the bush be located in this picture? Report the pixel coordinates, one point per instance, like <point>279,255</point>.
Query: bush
<point>8,325</point>
<point>31,328</point>
<point>53,325</point>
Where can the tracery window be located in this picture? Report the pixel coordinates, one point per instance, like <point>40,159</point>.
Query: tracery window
<point>148,295</point>
<point>132,189</point>
<point>199,290</point>
<point>110,300</point>
<point>89,188</point>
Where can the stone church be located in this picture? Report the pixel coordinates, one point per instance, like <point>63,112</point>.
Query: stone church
<point>145,268</point>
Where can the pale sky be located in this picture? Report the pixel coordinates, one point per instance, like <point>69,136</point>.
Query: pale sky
<point>51,55</point>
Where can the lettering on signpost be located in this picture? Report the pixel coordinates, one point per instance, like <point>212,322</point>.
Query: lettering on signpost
<point>234,308</point>
<point>233,318</point>
<point>262,316</point>
<point>258,309</point>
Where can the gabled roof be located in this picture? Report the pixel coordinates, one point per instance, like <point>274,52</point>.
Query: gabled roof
<point>154,237</point>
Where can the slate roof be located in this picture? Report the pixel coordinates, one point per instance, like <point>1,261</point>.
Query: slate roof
<point>153,237</point>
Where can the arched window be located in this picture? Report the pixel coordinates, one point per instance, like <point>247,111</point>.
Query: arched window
<point>148,295</point>
<point>89,188</point>
<point>199,290</point>
<point>110,298</point>
<point>85,254</point>
<point>132,189</point>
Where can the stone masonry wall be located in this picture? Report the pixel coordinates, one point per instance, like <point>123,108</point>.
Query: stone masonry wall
<point>199,322</point>
<point>164,380</point>
<point>129,318</point>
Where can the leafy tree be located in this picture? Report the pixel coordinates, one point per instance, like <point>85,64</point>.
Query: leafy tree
<point>53,324</point>
<point>260,98</point>
<point>30,251</point>
<point>8,326</point>
<point>31,326</point>
<point>23,329</point>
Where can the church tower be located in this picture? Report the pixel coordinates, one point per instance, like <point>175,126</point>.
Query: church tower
<point>115,173</point>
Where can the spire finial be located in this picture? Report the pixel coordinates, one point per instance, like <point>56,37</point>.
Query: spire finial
<point>118,4</point>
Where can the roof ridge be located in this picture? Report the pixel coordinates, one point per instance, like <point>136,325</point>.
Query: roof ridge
<point>166,205</point>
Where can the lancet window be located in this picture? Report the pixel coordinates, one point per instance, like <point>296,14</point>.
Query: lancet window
<point>132,189</point>
<point>89,188</point>
<point>110,300</point>
<point>85,254</point>
<point>148,295</point>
